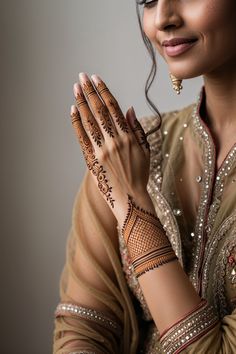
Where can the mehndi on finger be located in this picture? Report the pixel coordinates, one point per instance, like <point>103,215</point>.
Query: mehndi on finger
<point>111,103</point>
<point>89,122</point>
<point>139,133</point>
<point>90,157</point>
<point>97,105</point>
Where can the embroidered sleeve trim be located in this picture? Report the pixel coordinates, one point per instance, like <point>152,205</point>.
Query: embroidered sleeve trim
<point>82,352</point>
<point>65,309</point>
<point>189,329</point>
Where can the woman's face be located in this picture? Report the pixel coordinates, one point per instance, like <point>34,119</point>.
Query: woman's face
<point>211,23</point>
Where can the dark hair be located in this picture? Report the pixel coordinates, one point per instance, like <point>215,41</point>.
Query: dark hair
<point>153,70</point>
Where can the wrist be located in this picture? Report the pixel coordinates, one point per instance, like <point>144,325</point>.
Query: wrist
<point>143,200</point>
<point>147,243</point>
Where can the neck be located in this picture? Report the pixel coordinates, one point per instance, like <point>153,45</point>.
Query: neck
<point>220,88</point>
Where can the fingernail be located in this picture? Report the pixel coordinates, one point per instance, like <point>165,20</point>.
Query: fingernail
<point>133,112</point>
<point>131,116</point>
<point>83,77</point>
<point>77,89</point>
<point>96,79</point>
<point>73,110</point>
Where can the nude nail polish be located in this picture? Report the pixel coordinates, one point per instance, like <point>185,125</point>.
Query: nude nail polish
<point>83,77</point>
<point>73,110</point>
<point>77,89</point>
<point>96,79</point>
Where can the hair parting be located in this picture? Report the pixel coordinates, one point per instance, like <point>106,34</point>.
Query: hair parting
<point>152,73</point>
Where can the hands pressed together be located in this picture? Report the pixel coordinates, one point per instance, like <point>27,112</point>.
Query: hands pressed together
<point>114,146</point>
<point>118,156</point>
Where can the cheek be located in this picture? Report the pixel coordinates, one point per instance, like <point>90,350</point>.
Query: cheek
<point>148,25</point>
<point>150,29</point>
<point>209,16</point>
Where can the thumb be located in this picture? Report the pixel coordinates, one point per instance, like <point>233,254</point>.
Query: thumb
<point>131,117</point>
<point>137,129</point>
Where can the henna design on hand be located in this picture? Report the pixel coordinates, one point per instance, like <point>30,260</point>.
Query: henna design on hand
<point>141,135</point>
<point>90,123</point>
<point>91,159</point>
<point>103,183</point>
<point>94,130</point>
<point>113,106</point>
<point>105,120</point>
<point>147,243</point>
<point>99,108</point>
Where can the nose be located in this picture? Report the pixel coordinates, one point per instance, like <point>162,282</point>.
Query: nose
<point>167,16</point>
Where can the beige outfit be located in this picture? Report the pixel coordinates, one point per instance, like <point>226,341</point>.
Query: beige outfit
<point>196,204</point>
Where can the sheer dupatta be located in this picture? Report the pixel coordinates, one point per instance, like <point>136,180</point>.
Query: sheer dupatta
<point>79,326</point>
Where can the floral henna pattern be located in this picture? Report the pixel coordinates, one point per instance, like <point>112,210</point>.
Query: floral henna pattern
<point>90,124</point>
<point>100,109</point>
<point>91,160</point>
<point>103,183</point>
<point>94,130</point>
<point>105,120</point>
<point>113,107</point>
<point>141,135</point>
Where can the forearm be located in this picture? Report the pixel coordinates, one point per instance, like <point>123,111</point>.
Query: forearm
<point>168,293</point>
<point>167,290</point>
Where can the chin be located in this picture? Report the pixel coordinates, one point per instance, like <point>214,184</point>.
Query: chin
<point>183,71</point>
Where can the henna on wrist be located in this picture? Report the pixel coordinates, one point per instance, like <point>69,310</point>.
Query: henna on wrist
<point>147,243</point>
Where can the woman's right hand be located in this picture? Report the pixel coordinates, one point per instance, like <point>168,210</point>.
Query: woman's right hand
<point>115,148</point>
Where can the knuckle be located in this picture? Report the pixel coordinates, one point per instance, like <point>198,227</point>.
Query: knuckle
<point>112,102</point>
<point>114,145</point>
<point>127,140</point>
<point>101,110</point>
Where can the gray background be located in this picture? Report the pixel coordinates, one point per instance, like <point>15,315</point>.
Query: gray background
<point>44,45</point>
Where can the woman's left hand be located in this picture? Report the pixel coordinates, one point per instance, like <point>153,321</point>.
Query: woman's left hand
<point>115,148</point>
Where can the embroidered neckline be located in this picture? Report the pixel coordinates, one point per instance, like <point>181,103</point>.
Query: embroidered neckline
<point>213,186</point>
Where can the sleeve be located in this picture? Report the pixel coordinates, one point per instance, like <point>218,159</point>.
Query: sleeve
<point>201,332</point>
<point>210,329</point>
<point>95,314</point>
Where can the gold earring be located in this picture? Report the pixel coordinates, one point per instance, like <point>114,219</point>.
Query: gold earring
<point>176,83</point>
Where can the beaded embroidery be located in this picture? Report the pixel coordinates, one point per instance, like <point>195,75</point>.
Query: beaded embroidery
<point>189,329</point>
<point>225,272</point>
<point>88,314</point>
<point>207,181</point>
<point>203,245</point>
<point>82,352</point>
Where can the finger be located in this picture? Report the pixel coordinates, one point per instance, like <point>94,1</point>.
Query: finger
<point>111,104</point>
<point>138,130</point>
<point>86,146</point>
<point>89,122</point>
<point>98,108</point>
<point>90,157</point>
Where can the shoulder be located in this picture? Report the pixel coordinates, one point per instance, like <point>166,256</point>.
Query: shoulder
<point>172,123</point>
<point>170,119</point>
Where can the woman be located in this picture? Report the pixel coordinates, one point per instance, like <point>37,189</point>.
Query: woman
<point>163,206</point>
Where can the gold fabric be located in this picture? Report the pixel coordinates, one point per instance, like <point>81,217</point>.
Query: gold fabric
<point>195,202</point>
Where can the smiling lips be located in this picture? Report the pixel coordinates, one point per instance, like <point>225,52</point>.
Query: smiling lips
<point>177,46</point>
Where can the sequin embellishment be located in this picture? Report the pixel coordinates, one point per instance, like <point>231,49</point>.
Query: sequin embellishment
<point>189,329</point>
<point>88,314</point>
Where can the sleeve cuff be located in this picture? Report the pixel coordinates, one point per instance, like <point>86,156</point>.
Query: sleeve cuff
<point>189,328</point>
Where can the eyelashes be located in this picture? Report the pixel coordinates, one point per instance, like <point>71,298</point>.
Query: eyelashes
<point>146,3</point>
